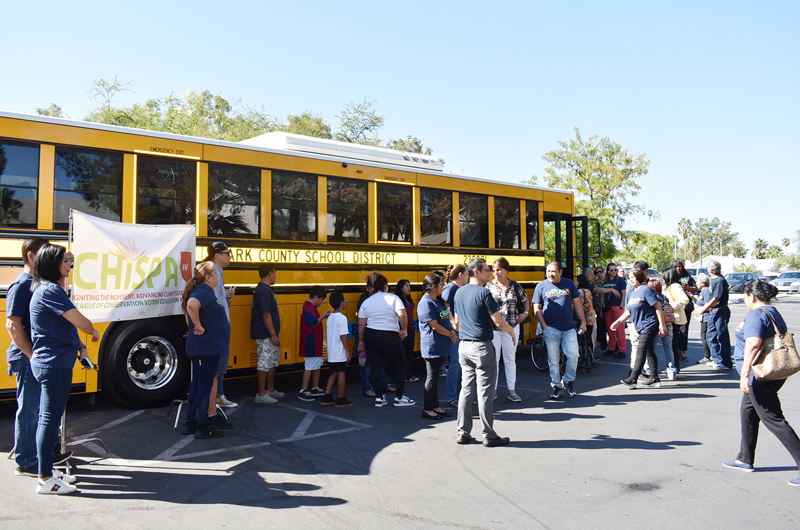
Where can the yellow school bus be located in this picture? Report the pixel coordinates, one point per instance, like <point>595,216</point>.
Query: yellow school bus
<point>324,212</point>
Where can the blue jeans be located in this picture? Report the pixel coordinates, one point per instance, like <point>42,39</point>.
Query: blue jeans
<point>669,355</point>
<point>28,395</point>
<point>555,340</point>
<point>719,340</point>
<point>453,384</point>
<point>56,384</point>
<point>366,386</point>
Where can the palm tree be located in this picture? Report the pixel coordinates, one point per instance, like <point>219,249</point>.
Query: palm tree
<point>684,228</point>
<point>760,249</point>
<point>773,252</point>
<point>739,250</point>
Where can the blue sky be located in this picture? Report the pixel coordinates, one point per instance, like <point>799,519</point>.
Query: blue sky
<point>708,90</point>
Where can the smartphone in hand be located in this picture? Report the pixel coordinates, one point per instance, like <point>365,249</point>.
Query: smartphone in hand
<point>85,361</point>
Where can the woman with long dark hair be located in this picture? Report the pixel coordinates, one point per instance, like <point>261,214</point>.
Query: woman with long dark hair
<point>382,321</point>
<point>648,319</point>
<point>681,342</point>
<point>679,301</point>
<point>208,339</point>
<point>760,402</point>
<point>403,292</point>
<point>436,338</point>
<point>55,322</point>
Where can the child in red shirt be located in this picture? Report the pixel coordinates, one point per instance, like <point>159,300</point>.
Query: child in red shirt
<point>311,337</point>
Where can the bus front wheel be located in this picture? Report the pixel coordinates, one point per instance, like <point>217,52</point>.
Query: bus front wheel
<point>145,364</point>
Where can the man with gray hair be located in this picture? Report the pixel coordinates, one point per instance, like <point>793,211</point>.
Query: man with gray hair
<point>474,312</point>
<point>717,333</point>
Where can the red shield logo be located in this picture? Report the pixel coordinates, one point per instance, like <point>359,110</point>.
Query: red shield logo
<point>187,269</point>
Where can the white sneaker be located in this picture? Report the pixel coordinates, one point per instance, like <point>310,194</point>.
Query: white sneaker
<point>54,486</point>
<point>69,479</point>
<point>404,401</point>
<point>380,401</point>
<point>266,399</point>
<point>225,403</point>
<point>275,394</point>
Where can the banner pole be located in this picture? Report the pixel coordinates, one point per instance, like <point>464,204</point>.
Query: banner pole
<point>69,247</point>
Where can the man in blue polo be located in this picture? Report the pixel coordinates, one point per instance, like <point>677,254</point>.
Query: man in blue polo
<point>553,303</point>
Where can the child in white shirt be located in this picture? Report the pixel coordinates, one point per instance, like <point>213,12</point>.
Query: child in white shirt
<point>338,351</point>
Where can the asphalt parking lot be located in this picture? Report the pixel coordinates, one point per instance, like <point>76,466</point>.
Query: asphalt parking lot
<point>610,456</point>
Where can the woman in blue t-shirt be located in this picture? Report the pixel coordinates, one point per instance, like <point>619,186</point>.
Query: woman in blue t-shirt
<point>457,277</point>
<point>644,309</point>
<point>56,346</point>
<point>209,337</point>
<point>760,402</point>
<point>436,337</point>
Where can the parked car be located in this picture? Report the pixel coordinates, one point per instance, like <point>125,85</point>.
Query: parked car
<point>788,282</point>
<point>695,272</point>
<point>768,276</point>
<point>737,280</point>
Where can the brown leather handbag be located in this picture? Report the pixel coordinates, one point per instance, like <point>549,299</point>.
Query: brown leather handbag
<point>778,357</point>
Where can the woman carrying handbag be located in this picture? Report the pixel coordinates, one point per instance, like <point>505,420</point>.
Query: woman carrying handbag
<point>760,402</point>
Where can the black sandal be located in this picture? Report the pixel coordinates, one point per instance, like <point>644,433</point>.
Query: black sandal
<point>429,417</point>
<point>442,413</point>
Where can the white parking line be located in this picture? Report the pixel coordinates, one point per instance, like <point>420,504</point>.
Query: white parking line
<point>217,451</point>
<point>167,455</point>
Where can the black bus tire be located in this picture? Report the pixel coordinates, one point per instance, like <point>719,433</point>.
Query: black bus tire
<point>145,363</point>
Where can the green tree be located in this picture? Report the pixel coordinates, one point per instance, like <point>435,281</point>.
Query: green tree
<point>786,241</point>
<point>308,124</point>
<point>718,236</point>
<point>738,249</point>
<point>604,177</point>
<point>760,249</point>
<point>684,229</point>
<point>359,123</point>
<point>411,144</point>
<point>773,252</point>
<point>744,268</point>
<point>54,111</point>
<point>102,95</point>
<point>655,249</point>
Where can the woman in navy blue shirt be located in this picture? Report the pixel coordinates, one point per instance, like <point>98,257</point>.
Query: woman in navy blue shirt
<point>56,346</point>
<point>760,402</point>
<point>644,309</point>
<point>436,337</point>
<point>209,338</point>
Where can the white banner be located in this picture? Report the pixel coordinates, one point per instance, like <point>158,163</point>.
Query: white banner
<point>129,271</point>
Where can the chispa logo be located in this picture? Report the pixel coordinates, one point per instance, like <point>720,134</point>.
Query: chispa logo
<point>129,268</point>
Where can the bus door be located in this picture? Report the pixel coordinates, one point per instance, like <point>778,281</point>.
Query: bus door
<point>575,241</point>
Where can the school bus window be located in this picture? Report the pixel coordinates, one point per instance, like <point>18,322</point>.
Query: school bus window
<point>506,222</point>
<point>294,207</point>
<point>532,224</point>
<point>234,196</point>
<point>436,220</point>
<point>87,181</point>
<point>19,181</point>
<point>394,213</point>
<point>347,211</point>
<point>166,191</point>
<point>474,220</point>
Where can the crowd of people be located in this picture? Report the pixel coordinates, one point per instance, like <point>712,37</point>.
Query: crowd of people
<point>465,318</point>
